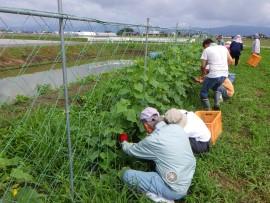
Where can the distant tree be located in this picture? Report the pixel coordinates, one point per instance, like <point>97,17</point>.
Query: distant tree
<point>125,30</point>
<point>262,35</point>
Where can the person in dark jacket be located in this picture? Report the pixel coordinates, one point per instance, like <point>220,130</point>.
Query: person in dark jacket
<point>235,48</point>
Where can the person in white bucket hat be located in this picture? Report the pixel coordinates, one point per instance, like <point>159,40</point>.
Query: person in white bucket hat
<point>168,147</point>
<point>199,134</point>
<point>256,44</point>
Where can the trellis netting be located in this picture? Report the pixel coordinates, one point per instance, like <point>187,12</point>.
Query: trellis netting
<point>111,72</point>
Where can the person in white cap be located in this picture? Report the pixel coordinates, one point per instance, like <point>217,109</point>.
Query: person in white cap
<point>168,146</point>
<point>199,134</point>
<point>235,48</point>
<point>256,44</point>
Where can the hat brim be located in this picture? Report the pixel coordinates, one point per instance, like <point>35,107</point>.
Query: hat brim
<point>183,121</point>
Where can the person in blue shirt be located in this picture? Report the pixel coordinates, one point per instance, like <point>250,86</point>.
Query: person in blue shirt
<point>235,48</point>
<point>168,146</point>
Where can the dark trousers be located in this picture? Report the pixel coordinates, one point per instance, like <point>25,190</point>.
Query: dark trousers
<point>199,147</point>
<point>211,83</point>
<point>236,58</point>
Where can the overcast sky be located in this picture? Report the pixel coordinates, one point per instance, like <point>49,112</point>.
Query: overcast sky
<point>202,13</point>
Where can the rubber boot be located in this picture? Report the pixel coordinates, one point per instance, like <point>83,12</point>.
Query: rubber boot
<point>206,104</point>
<point>217,100</point>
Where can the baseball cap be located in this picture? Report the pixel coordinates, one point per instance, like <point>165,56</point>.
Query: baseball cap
<point>148,114</point>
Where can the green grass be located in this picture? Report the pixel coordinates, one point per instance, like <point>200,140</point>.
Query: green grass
<point>50,37</point>
<point>235,170</point>
<point>21,60</point>
<point>264,42</point>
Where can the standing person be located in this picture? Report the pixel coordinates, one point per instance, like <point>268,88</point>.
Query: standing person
<point>168,146</point>
<point>227,45</point>
<point>256,45</point>
<point>235,48</point>
<point>216,58</point>
<point>198,133</point>
<point>220,40</point>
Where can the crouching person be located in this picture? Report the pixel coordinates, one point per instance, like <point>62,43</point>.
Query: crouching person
<point>227,89</point>
<point>198,133</point>
<point>168,146</point>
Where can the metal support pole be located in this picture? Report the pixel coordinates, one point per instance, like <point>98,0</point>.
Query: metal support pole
<point>64,69</point>
<point>176,33</point>
<point>146,51</point>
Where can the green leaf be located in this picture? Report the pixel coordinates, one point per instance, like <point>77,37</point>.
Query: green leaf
<point>138,87</point>
<point>154,83</point>
<point>123,91</point>
<point>108,142</point>
<point>122,106</point>
<point>161,70</point>
<point>104,165</point>
<point>165,99</point>
<point>143,78</point>
<point>131,115</point>
<point>138,96</point>
<point>19,175</point>
<point>103,155</point>
<point>150,100</point>
<point>94,155</point>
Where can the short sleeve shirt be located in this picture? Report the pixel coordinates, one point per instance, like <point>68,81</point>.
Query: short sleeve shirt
<point>216,57</point>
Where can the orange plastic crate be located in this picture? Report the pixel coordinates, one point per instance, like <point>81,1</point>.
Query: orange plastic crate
<point>254,60</point>
<point>213,121</point>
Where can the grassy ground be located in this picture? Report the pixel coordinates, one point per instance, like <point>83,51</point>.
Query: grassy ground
<point>21,60</point>
<point>264,42</point>
<point>51,37</point>
<point>237,168</point>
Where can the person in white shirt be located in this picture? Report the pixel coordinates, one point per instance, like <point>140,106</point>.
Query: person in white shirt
<point>217,59</point>
<point>198,133</point>
<point>256,45</point>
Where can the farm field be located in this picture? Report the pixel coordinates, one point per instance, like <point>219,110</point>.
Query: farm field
<point>22,60</point>
<point>235,170</point>
<point>50,37</point>
<point>247,42</point>
<point>264,42</point>
<point>34,165</point>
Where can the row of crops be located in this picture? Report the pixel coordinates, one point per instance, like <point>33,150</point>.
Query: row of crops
<point>33,161</point>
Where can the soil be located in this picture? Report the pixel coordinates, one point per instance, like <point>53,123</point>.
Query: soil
<point>50,99</point>
<point>260,93</point>
<point>229,183</point>
<point>5,61</point>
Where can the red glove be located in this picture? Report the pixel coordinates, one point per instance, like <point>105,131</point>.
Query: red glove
<point>123,137</point>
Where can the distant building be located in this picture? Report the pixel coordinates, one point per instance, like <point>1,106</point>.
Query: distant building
<point>85,33</point>
<point>131,33</point>
<point>152,32</point>
<point>90,34</point>
<point>106,34</point>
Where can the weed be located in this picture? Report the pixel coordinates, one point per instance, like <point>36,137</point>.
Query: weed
<point>20,99</point>
<point>235,170</point>
<point>43,89</point>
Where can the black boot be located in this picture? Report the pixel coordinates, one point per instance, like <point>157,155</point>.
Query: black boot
<point>217,100</point>
<point>206,104</point>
